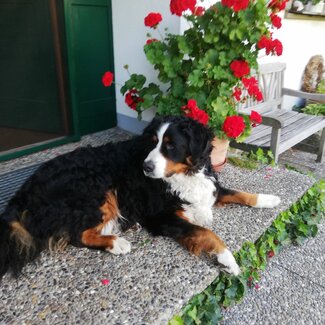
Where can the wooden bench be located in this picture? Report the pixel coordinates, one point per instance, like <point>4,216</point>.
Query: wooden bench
<point>281,128</point>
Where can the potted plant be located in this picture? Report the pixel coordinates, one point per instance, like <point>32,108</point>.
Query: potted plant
<point>315,6</point>
<point>211,67</point>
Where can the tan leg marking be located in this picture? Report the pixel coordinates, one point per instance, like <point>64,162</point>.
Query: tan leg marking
<point>92,237</point>
<point>203,241</point>
<point>243,198</point>
<point>23,238</point>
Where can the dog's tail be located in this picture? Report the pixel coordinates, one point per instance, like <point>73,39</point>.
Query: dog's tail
<point>17,246</point>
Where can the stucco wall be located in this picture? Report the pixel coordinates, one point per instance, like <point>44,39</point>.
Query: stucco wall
<point>301,39</point>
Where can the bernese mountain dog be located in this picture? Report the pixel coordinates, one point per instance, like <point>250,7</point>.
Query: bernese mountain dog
<point>162,179</point>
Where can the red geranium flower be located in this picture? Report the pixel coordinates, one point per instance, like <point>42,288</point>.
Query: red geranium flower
<point>151,40</point>
<point>233,126</point>
<point>199,11</point>
<point>178,6</point>
<point>255,118</point>
<point>239,68</point>
<point>132,98</point>
<point>277,47</point>
<point>191,104</point>
<point>107,78</point>
<point>276,21</point>
<point>270,46</point>
<point>227,3</point>
<point>237,93</point>
<point>236,5</point>
<point>251,84</point>
<point>240,5</point>
<point>277,5</point>
<point>191,110</point>
<point>153,19</point>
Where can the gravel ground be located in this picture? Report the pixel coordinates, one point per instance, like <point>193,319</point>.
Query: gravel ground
<point>153,282</point>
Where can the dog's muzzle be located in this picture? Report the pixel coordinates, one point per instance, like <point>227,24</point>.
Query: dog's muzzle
<point>148,168</point>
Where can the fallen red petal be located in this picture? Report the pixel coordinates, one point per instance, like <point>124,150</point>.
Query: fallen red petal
<point>105,282</point>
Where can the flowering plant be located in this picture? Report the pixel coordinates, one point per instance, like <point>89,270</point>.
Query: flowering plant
<point>211,67</point>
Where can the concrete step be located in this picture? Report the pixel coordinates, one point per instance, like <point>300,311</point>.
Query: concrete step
<point>291,291</point>
<point>154,281</point>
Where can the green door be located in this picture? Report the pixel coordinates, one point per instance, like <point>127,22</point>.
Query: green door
<point>90,54</point>
<point>31,110</point>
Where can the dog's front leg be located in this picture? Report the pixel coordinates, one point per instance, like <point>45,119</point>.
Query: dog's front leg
<point>195,239</point>
<point>226,196</point>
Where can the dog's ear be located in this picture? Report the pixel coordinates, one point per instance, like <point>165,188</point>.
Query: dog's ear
<point>199,142</point>
<point>153,126</point>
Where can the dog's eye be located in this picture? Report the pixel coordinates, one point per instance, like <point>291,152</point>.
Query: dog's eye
<point>169,146</point>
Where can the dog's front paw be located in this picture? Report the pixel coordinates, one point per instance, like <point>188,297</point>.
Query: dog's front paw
<point>230,265</point>
<point>267,201</point>
<point>120,247</point>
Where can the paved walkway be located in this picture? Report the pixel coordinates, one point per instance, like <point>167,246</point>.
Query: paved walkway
<point>292,289</point>
<point>151,284</point>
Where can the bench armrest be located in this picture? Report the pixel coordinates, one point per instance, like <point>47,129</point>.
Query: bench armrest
<point>275,122</point>
<point>303,94</point>
<point>268,120</point>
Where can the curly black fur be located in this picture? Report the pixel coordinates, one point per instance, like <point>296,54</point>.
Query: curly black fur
<point>64,195</point>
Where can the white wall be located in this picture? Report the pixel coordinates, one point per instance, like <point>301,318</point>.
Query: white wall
<point>129,33</point>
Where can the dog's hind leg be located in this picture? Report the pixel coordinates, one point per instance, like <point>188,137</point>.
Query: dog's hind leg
<point>104,235</point>
<point>226,196</point>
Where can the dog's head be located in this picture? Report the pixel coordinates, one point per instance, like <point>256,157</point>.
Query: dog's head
<point>182,145</point>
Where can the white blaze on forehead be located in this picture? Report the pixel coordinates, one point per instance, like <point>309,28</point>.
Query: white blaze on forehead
<point>156,157</point>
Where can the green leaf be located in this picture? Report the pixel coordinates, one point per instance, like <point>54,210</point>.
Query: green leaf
<point>184,45</point>
<point>176,320</point>
<point>196,78</point>
<point>136,81</point>
<point>192,313</point>
<point>303,228</point>
<point>178,87</point>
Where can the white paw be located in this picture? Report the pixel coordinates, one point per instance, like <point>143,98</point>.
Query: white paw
<point>120,246</point>
<point>227,259</point>
<point>267,201</point>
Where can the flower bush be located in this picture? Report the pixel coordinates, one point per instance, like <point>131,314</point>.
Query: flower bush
<point>212,66</point>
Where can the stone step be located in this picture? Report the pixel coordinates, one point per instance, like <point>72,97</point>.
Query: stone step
<point>154,281</point>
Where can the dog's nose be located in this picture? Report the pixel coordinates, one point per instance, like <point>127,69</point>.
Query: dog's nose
<point>148,166</point>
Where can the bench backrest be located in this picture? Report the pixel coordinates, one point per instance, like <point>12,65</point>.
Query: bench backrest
<point>270,78</point>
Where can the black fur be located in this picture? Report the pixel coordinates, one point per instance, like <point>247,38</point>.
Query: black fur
<point>62,198</point>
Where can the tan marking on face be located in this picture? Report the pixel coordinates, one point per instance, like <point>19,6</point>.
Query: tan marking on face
<point>175,168</point>
<point>239,198</point>
<point>203,241</point>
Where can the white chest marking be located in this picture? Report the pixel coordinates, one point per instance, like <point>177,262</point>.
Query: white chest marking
<point>198,190</point>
